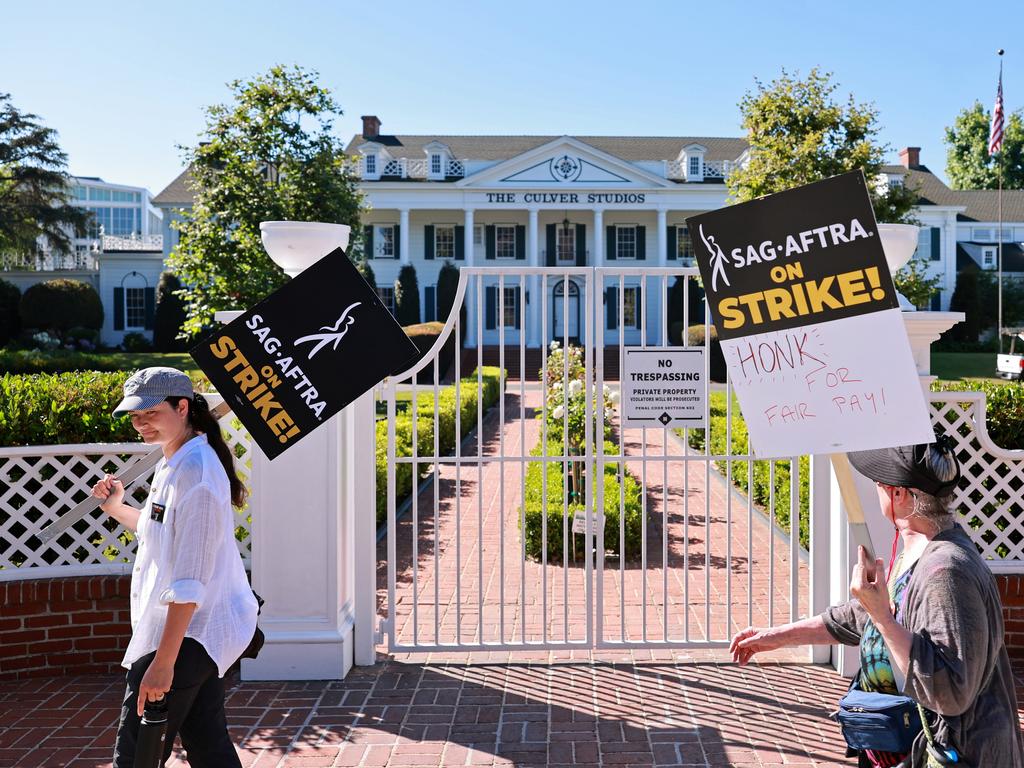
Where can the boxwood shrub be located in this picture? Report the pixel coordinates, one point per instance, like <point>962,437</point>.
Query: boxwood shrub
<point>553,506</point>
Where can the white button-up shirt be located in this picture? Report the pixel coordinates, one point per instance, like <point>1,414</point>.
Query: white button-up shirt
<point>187,554</point>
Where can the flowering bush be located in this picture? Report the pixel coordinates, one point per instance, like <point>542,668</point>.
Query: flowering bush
<point>45,341</point>
<point>566,404</point>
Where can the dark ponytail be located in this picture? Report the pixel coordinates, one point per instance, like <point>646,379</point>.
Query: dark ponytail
<point>201,420</point>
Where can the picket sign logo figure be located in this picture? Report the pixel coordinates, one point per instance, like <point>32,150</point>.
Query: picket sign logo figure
<point>333,334</point>
<point>717,259</point>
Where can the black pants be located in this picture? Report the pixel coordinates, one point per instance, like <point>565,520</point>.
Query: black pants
<point>195,711</point>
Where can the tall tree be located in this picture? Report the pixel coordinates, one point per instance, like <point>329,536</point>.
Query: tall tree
<point>35,186</point>
<point>268,155</point>
<point>968,164</point>
<point>799,133</point>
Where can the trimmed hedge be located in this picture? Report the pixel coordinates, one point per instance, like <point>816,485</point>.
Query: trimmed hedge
<point>424,336</point>
<point>61,304</point>
<point>762,470</point>
<point>10,321</point>
<point>1004,408</point>
<point>424,406</point>
<point>554,507</point>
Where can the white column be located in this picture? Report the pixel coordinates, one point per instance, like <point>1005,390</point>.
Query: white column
<point>468,300</point>
<point>662,262</point>
<point>598,238</point>
<point>403,234</point>
<point>533,338</point>
<point>300,559</point>
<point>662,237</point>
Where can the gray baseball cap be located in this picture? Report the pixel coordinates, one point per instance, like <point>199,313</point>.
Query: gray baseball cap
<point>151,386</point>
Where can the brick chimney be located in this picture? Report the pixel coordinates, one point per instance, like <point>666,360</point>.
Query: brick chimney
<point>371,126</point>
<point>910,157</point>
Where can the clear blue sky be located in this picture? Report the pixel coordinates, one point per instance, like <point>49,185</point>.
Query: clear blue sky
<point>124,83</point>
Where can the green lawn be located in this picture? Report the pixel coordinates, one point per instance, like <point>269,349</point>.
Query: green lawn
<point>954,366</point>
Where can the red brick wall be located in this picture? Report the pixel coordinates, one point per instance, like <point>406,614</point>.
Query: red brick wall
<point>72,626</point>
<point>1011,590</point>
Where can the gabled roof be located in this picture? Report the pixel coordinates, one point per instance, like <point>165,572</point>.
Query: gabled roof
<point>178,192</point>
<point>980,204</point>
<point>629,148</point>
<point>969,255</point>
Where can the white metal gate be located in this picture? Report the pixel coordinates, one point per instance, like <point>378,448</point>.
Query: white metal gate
<point>482,557</point>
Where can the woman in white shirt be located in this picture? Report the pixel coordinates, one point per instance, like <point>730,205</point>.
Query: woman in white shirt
<point>193,612</point>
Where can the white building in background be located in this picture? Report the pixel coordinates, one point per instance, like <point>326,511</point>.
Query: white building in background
<point>121,256</point>
<point>590,201</point>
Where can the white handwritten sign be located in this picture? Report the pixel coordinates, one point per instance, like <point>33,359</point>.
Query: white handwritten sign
<point>664,387</point>
<point>829,387</point>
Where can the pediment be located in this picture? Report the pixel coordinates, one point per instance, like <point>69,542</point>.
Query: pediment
<point>565,162</point>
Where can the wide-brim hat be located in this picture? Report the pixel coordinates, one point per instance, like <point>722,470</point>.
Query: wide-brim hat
<point>151,386</point>
<point>907,466</point>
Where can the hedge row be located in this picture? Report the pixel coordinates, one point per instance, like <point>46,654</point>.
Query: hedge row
<point>1004,408</point>
<point>560,515</point>
<point>761,471</point>
<point>469,396</point>
<point>28,361</point>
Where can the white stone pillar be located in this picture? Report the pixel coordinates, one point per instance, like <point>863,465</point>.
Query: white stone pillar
<point>403,235</point>
<point>533,338</point>
<point>470,261</point>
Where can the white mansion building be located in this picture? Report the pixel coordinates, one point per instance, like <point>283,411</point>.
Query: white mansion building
<point>591,201</point>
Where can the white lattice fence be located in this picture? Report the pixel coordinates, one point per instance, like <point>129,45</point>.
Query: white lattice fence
<point>990,496</point>
<point>38,483</point>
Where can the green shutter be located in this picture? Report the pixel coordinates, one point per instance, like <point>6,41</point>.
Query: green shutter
<point>670,238</point>
<point>491,312</point>
<point>936,244</point>
<point>119,309</point>
<point>611,310</point>
<point>460,243</point>
<point>520,242</point>
<point>552,240</point>
<point>641,243</point>
<point>368,241</point>
<point>397,241</point>
<point>581,245</point>
<point>640,308</point>
<point>150,308</point>
<point>428,242</point>
<point>610,254</point>
<point>519,292</point>
<point>489,239</point>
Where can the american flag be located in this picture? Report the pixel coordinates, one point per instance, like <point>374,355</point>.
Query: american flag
<point>995,136</point>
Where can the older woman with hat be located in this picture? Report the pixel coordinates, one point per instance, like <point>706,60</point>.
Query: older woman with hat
<point>931,629</point>
<point>193,612</point>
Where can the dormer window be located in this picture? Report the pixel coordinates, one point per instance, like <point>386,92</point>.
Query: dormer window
<point>436,166</point>
<point>692,161</point>
<point>693,168</point>
<point>371,165</point>
<point>438,157</point>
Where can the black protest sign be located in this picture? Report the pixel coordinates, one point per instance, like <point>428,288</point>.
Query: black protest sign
<point>807,255</point>
<point>305,352</point>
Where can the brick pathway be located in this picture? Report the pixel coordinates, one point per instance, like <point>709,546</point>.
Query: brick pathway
<point>662,707</point>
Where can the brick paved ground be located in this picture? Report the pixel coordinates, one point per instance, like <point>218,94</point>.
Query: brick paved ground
<point>663,707</point>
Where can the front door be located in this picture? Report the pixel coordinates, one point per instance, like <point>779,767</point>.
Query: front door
<point>565,313</point>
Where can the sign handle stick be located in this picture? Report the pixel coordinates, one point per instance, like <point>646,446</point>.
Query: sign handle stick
<point>131,473</point>
<point>854,511</point>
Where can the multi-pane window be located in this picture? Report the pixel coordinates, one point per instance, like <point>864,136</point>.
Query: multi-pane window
<point>371,164</point>
<point>684,245</point>
<point>694,169</point>
<point>115,221</point>
<point>505,241</point>
<point>385,243</point>
<point>567,243</point>
<point>387,298</point>
<point>80,192</point>
<point>988,257</point>
<point>625,242</point>
<point>96,193</point>
<point>435,164</point>
<point>478,235</point>
<point>134,307</point>
<point>444,242</point>
<point>510,309</point>
<point>629,305</point>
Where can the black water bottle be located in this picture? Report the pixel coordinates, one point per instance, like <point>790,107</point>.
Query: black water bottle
<point>149,749</point>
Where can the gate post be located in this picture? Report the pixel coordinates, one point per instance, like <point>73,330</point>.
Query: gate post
<point>361,507</point>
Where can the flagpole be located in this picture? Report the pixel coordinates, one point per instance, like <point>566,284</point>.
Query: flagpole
<point>999,231</point>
